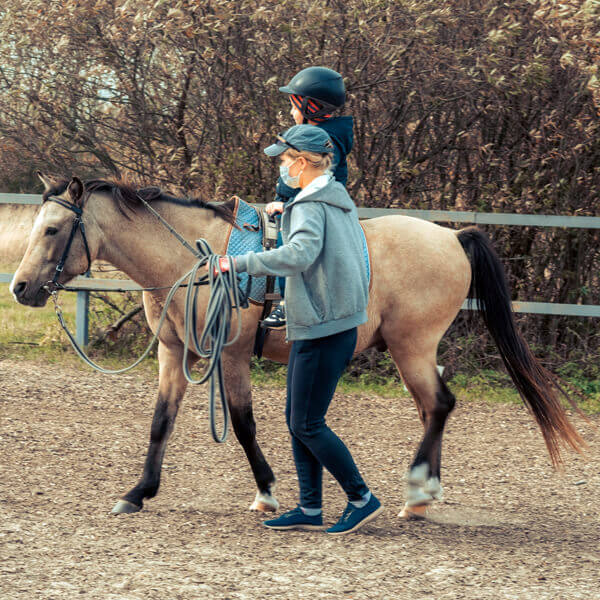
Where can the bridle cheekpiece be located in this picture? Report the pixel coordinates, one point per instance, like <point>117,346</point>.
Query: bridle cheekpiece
<point>54,285</point>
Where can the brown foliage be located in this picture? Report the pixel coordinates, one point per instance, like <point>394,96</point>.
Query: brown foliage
<point>460,105</point>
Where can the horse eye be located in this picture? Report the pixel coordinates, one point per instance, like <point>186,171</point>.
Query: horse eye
<point>51,231</point>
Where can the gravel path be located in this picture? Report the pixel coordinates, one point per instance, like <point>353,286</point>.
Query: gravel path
<point>73,441</point>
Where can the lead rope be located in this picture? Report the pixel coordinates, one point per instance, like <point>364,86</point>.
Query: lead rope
<point>224,298</point>
<point>224,295</point>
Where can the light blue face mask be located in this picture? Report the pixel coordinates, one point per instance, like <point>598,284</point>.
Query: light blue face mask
<point>289,180</point>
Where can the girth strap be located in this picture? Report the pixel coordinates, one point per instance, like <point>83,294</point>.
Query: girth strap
<point>270,229</point>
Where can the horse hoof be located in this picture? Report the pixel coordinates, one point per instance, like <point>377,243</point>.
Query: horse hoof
<point>264,503</point>
<point>413,512</point>
<point>123,507</point>
<point>262,507</point>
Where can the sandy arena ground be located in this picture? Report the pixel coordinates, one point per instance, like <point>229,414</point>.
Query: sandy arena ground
<point>72,441</point>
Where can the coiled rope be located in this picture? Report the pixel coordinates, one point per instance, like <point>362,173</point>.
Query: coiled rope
<point>225,298</point>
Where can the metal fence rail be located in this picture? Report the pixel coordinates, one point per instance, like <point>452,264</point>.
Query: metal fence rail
<point>86,285</point>
<point>441,216</point>
<point>20,198</point>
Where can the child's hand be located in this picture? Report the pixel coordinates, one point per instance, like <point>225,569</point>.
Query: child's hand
<point>274,207</point>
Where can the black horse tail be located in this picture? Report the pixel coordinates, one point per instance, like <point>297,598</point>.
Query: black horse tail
<point>538,388</point>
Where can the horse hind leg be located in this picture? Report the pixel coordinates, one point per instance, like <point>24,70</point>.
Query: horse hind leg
<point>434,402</point>
<point>424,479</point>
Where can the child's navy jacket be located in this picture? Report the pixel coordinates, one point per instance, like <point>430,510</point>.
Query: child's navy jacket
<point>341,132</point>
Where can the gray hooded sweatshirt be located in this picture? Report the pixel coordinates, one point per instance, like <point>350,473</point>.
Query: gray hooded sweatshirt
<point>322,258</point>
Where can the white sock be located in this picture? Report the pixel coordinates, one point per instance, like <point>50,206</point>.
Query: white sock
<point>361,503</point>
<point>311,512</point>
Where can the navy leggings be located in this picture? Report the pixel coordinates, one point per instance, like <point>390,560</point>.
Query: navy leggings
<point>314,369</point>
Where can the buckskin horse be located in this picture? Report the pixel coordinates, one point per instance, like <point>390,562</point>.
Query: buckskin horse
<point>420,275</point>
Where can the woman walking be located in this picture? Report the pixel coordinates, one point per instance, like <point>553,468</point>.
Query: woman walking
<point>327,293</point>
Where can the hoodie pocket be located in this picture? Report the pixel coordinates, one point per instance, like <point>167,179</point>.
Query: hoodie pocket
<point>300,307</point>
<point>317,292</point>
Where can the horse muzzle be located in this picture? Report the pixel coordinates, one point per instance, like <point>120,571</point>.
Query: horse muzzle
<point>27,295</point>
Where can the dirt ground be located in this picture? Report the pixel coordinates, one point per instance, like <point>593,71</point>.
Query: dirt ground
<point>72,441</point>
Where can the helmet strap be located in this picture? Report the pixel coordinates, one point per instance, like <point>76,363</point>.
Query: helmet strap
<point>325,109</point>
<point>303,110</point>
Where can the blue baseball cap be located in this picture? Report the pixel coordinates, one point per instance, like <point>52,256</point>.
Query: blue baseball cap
<point>308,138</point>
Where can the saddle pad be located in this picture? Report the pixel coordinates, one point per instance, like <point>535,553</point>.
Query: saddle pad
<point>242,241</point>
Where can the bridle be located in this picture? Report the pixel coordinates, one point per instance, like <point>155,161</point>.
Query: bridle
<point>77,225</point>
<point>54,286</point>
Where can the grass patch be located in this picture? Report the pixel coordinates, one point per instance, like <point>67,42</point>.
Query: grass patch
<point>34,334</point>
<point>265,372</point>
<point>488,386</point>
<point>494,387</point>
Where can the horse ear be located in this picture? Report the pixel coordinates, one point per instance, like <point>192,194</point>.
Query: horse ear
<point>46,180</point>
<point>75,191</point>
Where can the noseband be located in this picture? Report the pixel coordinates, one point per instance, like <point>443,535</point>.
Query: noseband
<point>77,225</point>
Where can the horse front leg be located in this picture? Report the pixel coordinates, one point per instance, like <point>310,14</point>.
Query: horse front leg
<point>171,388</point>
<point>236,370</point>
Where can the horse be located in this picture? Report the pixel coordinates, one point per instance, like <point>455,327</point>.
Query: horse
<point>421,273</point>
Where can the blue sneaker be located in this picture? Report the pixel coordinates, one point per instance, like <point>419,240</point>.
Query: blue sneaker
<point>353,517</point>
<point>295,519</point>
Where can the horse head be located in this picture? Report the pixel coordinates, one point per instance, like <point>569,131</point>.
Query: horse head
<point>58,249</point>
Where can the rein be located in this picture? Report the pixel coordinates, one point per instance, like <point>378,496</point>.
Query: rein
<point>225,297</point>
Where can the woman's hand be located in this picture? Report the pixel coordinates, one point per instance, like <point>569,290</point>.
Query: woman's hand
<point>224,264</point>
<point>274,207</point>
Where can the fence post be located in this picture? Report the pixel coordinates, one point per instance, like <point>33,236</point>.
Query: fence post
<point>82,317</point>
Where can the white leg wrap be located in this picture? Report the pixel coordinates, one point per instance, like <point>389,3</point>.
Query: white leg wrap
<point>417,476</point>
<point>434,487</point>
<point>416,496</point>
<point>422,489</point>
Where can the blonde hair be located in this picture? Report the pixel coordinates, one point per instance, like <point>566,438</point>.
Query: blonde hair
<point>319,161</point>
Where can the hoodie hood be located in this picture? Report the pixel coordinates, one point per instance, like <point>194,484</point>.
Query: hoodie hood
<point>332,193</point>
<point>341,131</point>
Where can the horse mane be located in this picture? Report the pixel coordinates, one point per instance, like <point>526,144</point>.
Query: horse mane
<point>127,197</point>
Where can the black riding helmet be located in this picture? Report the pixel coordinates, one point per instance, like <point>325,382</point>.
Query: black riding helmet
<point>321,84</point>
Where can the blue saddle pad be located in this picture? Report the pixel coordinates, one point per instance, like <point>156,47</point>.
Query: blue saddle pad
<point>242,241</point>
